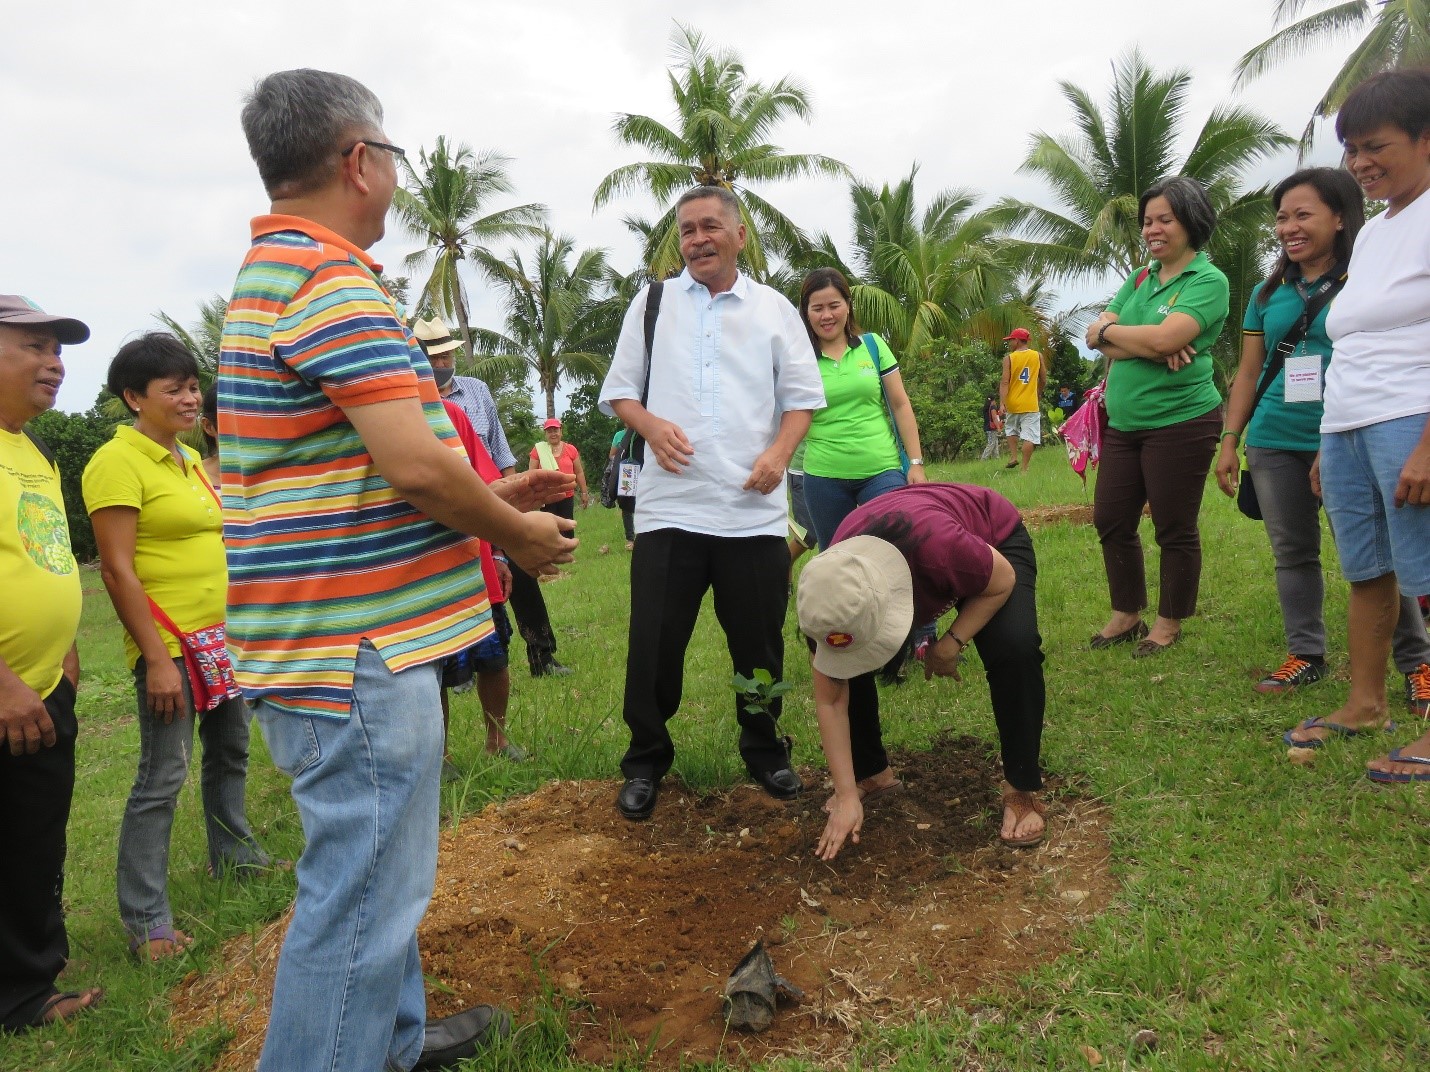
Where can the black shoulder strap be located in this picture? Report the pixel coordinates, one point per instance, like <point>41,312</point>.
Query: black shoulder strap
<point>1292,338</point>
<point>652,310</point>
<point>43,448</point>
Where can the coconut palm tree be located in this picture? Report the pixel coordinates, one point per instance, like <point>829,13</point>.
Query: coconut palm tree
<point>1097,175</point>
<point>1397,34</point>
<point>204,336</point>
<point>445,204</point>
<point>719,139</point>
<point>920,278</point>
<point>561,318</point>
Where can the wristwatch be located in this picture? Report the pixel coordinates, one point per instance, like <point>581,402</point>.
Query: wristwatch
<point>915,461</point>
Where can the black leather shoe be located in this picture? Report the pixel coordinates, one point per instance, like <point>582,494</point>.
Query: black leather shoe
<point>781,784</point>
<point>552,669</point>
<point>636,799</point>
<point>455,1038</point>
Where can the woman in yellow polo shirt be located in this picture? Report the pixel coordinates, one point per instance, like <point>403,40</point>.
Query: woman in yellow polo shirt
<point>159,528</point>
<point>1163,414</point>
<point>850,454</point>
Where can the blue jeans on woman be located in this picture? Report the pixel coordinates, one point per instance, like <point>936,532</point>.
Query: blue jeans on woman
<point>142,882</point>
<point>831,500</point>
<point>348,994</point>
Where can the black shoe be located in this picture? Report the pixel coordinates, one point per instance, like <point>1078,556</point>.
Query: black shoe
<point>781,784</point>
<point>456,1038</point>
<point>552,669</point>
<point>636,799</point>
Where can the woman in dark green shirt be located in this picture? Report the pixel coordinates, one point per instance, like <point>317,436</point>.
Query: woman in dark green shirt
<point>1163,411</point>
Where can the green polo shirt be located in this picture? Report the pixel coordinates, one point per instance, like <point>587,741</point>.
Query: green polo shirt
<point>1141,394</point>
<point>850,439</point>
<point>1278,424</point>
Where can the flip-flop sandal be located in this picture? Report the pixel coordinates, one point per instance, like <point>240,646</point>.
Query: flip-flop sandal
<point>43,1017</point>
<point>1337,730</point>
<point>1397,755</point>
<point>164,932</point>
<point>1018,815</point>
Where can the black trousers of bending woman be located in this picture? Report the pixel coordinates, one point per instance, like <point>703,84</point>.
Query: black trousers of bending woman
<point>1012,653</point>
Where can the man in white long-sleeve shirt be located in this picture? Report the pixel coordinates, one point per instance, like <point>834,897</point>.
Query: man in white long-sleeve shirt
<point>733,384</point>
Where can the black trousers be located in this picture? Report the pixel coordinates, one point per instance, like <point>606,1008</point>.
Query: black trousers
<point>1166,469</point>
<point>35,792</point>
<point>1012,653</point>
<point>671,570</point>
<point>528,606</point>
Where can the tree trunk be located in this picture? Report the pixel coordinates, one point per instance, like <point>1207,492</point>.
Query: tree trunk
<point>462,324</point>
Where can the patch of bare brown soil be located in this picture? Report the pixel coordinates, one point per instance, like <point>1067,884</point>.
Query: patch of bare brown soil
<point>1036,517</point>
<point>639,924</point>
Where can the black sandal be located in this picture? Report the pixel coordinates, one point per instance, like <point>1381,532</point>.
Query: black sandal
<point>1127,636</point>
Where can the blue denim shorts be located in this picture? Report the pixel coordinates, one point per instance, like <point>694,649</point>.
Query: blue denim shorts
<point>1359,471</point>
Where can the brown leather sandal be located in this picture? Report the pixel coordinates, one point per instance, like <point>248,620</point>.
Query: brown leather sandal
<point>1022,803</point>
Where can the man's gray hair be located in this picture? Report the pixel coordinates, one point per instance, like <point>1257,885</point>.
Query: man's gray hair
<point>720,193</point>
<point>295,121</point>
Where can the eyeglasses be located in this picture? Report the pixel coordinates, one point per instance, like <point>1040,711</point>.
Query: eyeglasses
<point>396,151</point>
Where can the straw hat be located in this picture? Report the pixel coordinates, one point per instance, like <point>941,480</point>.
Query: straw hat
<point>856,601</point>
<point>435,337</point>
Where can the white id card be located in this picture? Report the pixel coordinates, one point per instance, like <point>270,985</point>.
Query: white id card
<point>626,480</point>
<point>1303,378</point>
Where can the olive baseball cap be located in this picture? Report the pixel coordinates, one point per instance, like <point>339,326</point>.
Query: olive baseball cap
<point>19,311</point>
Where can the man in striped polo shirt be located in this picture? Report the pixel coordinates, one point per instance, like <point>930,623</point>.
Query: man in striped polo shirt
<point>349,516</point>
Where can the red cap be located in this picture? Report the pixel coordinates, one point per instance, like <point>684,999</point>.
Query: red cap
<point>550,422</point>
<point>1021,334</point>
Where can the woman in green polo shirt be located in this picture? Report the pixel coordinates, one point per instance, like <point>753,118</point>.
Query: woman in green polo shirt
<point>850,453</point>
<point>159,528</point>
<point>1163,413</point>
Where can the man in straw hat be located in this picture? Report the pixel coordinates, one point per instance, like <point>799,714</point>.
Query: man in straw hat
<point>528,605</point>
<point>39,669</point>
<point>910,556</point>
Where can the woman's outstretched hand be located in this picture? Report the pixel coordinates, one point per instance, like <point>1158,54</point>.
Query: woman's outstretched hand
<point>846,819</point>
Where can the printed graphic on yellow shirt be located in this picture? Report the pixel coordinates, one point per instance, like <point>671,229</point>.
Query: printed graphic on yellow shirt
<point>44,534</point>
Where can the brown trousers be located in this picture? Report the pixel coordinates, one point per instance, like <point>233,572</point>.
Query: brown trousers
<point>1166,469</point>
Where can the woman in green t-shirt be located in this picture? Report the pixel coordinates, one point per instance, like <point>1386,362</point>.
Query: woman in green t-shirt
<point>1319,212</point>
<point>850,452</point>
<point>1163,414</point>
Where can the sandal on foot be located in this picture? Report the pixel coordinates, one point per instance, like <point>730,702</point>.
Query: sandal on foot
<point>179,943</point>
<point>1127,636</point>
<point>51,1013</point>
<point>1022,803</point>
<point>1147,647</point>
<point>1397,755</point>
<point>866,795</point>
<point>1337,730</point>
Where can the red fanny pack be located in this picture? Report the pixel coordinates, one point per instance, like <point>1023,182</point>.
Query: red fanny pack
<point>206,659</point>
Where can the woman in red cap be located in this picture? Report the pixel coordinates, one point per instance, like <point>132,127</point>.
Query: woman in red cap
<point>555,454</point>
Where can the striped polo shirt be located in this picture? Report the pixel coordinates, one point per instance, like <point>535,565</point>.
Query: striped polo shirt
<point>322,552</point>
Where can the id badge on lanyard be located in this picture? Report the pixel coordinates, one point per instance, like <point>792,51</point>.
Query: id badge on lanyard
<point>1303,378</point>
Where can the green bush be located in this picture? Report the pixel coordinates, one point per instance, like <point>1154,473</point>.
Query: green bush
<point>74,437</point>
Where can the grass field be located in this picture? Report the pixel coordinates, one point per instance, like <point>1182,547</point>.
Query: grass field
<point>1270,916</point>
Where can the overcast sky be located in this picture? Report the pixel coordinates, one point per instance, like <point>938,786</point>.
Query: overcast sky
<point>128,187</point>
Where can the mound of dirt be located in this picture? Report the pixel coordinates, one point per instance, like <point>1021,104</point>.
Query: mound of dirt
<point>639,924</point>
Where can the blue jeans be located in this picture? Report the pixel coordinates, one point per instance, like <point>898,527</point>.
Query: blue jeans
<point>1359,471</point>
<point>831,500</point>
<point>142,880</point>
<point>348,994</point>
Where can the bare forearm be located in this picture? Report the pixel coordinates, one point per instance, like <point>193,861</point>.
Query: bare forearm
<point>908,428</point>
<point>794,426</point>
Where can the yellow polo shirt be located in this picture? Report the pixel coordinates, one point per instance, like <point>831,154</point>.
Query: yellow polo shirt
<point>178,548</point>
<point>37,568</point>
